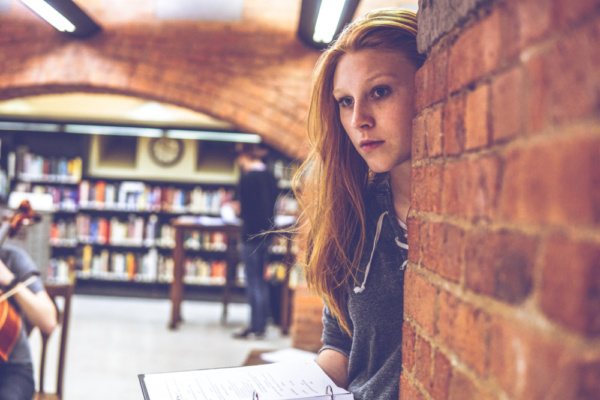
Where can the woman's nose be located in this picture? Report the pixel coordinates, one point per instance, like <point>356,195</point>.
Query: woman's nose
<point>362,116</point>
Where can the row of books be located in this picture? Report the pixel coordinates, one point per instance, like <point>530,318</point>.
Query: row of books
<point>131,196</point>
<point>34,167</point>
<point>126,266</point>
<point>133,231</point>
<point>139,267</point>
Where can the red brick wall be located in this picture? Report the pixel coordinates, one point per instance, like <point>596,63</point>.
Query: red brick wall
<point>503,286</point>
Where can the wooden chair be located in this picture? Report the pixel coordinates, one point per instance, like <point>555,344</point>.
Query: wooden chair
<point>55,291</point>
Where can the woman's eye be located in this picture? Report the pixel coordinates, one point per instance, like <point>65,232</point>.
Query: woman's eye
<point>345,102</point>
<point>380,92</point>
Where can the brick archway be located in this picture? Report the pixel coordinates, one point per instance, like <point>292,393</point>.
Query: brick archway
<point>259,82</point>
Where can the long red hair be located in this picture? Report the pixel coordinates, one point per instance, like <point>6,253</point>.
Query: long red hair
<point>331,182</point>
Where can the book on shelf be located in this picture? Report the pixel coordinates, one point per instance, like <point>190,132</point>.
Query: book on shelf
<point>286,380</point>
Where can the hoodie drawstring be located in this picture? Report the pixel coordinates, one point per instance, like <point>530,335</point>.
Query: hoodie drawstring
<point>361,288</point>
<point>377,232</point>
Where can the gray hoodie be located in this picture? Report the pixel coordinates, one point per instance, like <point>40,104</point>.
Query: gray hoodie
<point>375,305</point>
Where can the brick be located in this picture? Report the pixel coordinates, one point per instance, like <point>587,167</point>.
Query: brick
<point>454,188</point>
<point>573,74</point>
<point>439,75</point>
<point>423,362</point>
<point>442,374</point>
<point>565,13</point>
<point>408,347</point>
<point>554,182</point>
<point>480,257</point>
<point>443,248</point>
<point>535,87</point>
<point>417,178</point>
<point>530,363</point>
<point>420,299</point>
<point>482,187</point>
<point>423,98</point>
<point>430,81</point>
<point>419,133</point>
<point>470,188</point>
<point>464,329</point>
<point>408,391</point>
<point>476,118</point>
<point>427,134</point>
<point>462,387</point>
<point>452,252</point>
<point>434,133</point>
<point>500,265</point>
<point>431,238</point>
<point>580,310</point>
<point>475,53</point>
<point>589,380</point>
<point>507,105</point>
<point>510,32</point>
<point>453,125</point>
<point>535,20</point>
<point>414,239</point>
<point>515,258</point>
<point>425,188</point>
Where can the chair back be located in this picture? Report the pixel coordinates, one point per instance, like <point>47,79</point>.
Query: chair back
<point>56,291</point>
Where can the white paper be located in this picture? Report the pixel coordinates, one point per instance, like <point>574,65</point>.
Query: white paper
<point>277,381</point>
<point>290,354</point>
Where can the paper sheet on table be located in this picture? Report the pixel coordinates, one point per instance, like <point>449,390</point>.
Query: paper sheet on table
<point>278,381</point>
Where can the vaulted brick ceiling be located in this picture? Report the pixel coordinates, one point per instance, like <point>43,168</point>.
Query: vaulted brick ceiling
<point>252,71</point>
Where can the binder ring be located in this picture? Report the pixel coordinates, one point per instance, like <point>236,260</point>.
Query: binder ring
<point>329,390</point>
<point>254,395</point>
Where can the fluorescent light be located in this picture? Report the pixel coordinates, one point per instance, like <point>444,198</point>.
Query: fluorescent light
<point>214,136</point>
<point>328,20</point>
<point>28,126</point>
<point>53,17</point>
<point>113,130</point>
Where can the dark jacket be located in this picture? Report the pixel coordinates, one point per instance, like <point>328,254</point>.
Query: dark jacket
<point>257,192</point>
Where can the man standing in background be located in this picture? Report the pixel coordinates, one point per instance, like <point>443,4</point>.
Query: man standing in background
<point>255,202</point>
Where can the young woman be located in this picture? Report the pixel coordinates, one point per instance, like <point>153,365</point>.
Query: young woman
<point>357,185</point>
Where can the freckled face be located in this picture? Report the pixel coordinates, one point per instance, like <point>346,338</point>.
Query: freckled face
<point>375,90</point>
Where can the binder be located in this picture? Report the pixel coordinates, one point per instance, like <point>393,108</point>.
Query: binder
<point>288,380</point>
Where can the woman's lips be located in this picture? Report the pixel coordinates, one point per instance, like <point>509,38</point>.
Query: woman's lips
<point>368,145</point>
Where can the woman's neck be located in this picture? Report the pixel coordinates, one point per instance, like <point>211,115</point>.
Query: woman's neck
<point>400,184</point>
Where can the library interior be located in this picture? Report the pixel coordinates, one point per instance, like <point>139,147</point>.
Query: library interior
<point>122,128</point>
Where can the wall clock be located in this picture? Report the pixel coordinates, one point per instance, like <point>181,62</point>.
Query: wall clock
<point>166,151</point>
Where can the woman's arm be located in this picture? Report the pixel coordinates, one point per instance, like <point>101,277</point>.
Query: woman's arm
<point>335,364</point>
<point>38,308</point>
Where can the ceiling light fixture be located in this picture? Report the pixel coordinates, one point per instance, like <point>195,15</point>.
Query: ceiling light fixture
<point>53,17</point>
<point>89,129</point>
<point>65,16</point>
<point>328,19</point>
<point>113,130</point>
<point>237,137</point>
<point>322,20</point>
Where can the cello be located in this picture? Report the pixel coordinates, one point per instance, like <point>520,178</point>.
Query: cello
<point>10,319</point>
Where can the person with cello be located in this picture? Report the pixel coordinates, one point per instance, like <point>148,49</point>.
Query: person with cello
<point>22,297</point>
